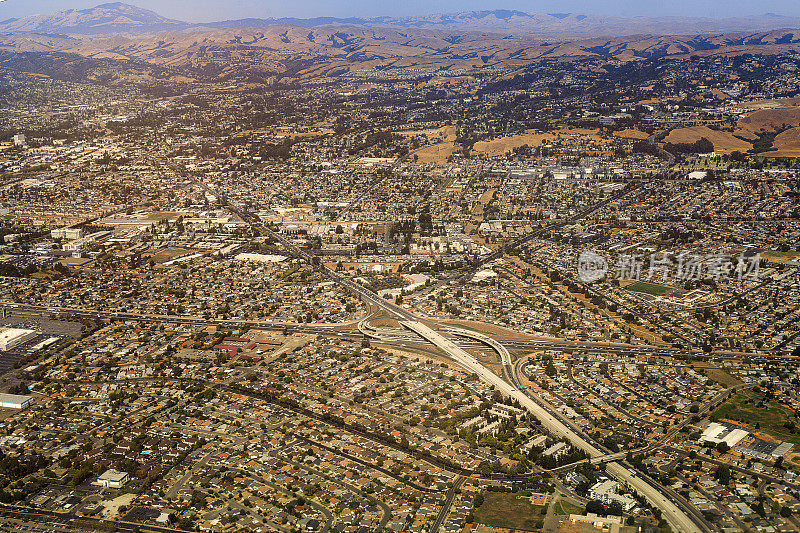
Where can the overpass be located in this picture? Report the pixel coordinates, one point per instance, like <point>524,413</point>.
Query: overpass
<point>603,459</point>
<point>502,351</point>
<point>676,518</point>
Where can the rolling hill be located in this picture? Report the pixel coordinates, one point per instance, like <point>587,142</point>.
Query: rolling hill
<point>301,51</point>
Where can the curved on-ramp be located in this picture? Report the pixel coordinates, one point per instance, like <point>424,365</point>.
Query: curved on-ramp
<point>677,519</point>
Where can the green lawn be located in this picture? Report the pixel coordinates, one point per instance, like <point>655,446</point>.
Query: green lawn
<point>747,408</point>
<point>506,509</point>
<point>564,508</point>
<point>779,257</point>
<point>650,288</point>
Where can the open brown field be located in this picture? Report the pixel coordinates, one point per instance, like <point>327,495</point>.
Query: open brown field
<point>787,144</point>
<point>589,133</point>
<point>437,153</point>
<point>434,135</point>
<point>770,120</point>
<point>779,257</point>
<point>509,510</point>
<point>724,142</point>
<point>501,145</point>
<point>168,254</point>
<point>774,103</point>
<point>631,133</point>
<point>722,377</point>
<point>486,329</point>
<point>165,215</point>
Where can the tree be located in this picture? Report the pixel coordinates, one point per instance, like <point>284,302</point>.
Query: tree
<point>596,507</point>
<point>723,474</point>
<point>479,499</point>
<point>615,508</point>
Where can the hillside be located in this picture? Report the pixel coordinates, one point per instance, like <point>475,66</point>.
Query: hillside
<point>724,142</point>
<point>770,120</point>
<point>335,50</point>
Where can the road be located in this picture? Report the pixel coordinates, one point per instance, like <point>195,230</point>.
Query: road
<point>545,413</point>
<point>675,517</point>
<point>445,510</point>
<point>67,518</point>
<point>389,336</point>
<point>178,485</point>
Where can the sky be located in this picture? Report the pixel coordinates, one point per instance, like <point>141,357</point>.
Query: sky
<point>214,10</point>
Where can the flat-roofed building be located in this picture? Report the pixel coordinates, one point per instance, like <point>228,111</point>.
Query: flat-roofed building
<point>112,479</point>
<point>15,401</point>
<point>10,338</point>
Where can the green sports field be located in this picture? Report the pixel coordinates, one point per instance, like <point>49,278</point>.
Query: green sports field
<point>650,288</point>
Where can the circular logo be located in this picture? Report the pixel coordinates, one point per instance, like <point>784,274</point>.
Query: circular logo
<point>591,266</point>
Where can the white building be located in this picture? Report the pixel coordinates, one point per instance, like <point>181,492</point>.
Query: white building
<point>87,242</point>
<point>612,524</point>
<point>66,233</point>
<point>10,338</point>
<point>15,401</point>
<point>112,479</point>
<point>556,450</point>
<point>19,139</point>
<point>606,492</point>
<point>716,433</point>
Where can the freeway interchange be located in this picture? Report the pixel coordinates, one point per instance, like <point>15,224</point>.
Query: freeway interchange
<point>453,342</point>
<point>454,349</point>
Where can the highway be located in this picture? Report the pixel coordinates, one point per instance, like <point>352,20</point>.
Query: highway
<point>675,517</point>
<point>391,336</point>
<point>545,413</point>
<point>679,521</point>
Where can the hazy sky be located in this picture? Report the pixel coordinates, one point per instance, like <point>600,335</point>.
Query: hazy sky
<point>211,10</point>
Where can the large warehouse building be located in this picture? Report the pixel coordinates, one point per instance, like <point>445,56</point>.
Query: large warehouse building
<point>10,338</point>
<point>15,401</point>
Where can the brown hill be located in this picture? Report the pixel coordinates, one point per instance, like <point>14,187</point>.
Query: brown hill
<point>332,50</point>
<point>723,141</point>
<point>787,144</point>
<point>770,120</point>
<point>118,17</point>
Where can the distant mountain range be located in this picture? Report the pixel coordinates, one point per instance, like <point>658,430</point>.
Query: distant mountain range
<point>121,18</point>
<point>104,19</point>
<point>82,44</point>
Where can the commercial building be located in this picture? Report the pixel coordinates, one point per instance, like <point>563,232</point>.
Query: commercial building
<point>67,233</point>
<point>606,492</point>
<point>727,433</point>
<point>87,242</point>
<point>612,524</point>
<point>113,479</point>
<point>10,338</point>
<point>15,401</point>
